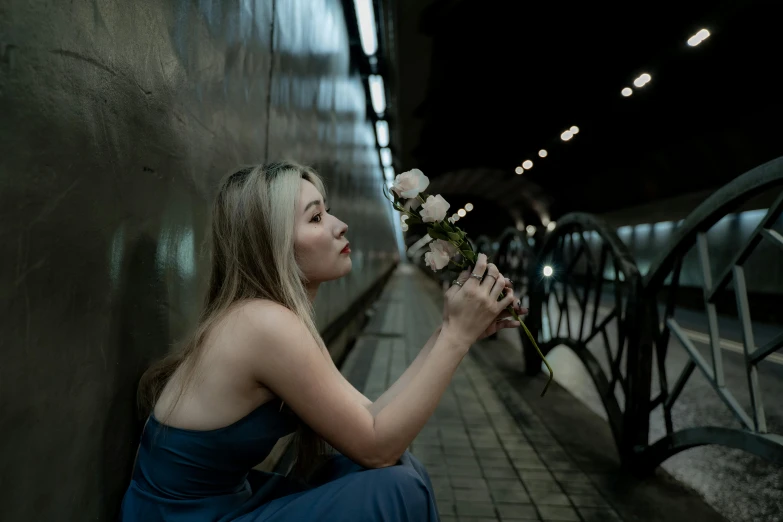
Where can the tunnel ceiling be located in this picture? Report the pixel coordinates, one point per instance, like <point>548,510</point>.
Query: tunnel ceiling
<point>482,86</point>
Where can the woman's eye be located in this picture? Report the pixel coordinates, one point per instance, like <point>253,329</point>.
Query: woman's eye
<point>317,217</point>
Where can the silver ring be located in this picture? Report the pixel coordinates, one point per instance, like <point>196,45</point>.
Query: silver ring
<point>455,282</point>
<point>476,276</point>
<point>493,277</point>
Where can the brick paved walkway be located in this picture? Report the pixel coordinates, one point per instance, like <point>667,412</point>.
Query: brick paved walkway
<point>484,466</point>
<point>487,462</point>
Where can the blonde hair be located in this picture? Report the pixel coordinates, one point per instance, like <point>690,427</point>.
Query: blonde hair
<point>253,257</point>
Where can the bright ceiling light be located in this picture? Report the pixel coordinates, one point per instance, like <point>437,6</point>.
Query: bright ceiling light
<point>382,131</point>
<point>468,206</point>
<point>574,130</point>
<point>551,226</point>
<point>530,229</point>
<point>404,227</point>
<point>542,153</point>
<point>527,164</point>
<point>520,226</point>
<point>567,135</point>
<point>519,170</point>
<point>627,91</point>
<point>548,271</point>
<point>461,212</point>
<point>388,173</point>
<point>698,38</point>
<point>454,218</point>
<point>404,218</point>
<point>642,80</point>
<point>386,157</point>
<point>365,15</point>
<point>377,93</point>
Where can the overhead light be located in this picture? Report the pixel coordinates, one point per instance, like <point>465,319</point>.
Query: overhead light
<point>461,212</point>
<point>548,271</point>
<point>698,38</point>
<point>627,91</point>
<point>519,170</point>
<point>530,229</point>
<point>404,227</point>
<point>382,131</point>
<point>365,15</point>
<point>527,164</point>
<point>454,218</point>
<point>574,130</point>
<point>388,173</point>
<point>377,93</point>
<point>567,135</point>
<point>551,226</point>
<point>404,218</point>
<point>468,206</point>
<point>386,157</point>
<point>542,153</point>
<point>642,80</point>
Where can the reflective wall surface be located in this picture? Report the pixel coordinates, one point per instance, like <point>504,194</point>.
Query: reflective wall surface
<point>118,119</point>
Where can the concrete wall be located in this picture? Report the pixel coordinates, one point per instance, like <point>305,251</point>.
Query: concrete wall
<point>116,121</point>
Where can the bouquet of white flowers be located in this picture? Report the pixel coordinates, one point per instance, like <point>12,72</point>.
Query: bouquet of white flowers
<point>408,197</point>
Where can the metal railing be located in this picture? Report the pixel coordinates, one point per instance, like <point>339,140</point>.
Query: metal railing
<point>620,324</point>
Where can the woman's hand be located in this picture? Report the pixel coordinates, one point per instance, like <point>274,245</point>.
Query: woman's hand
<point>472,307</point>
<point>501,321</point>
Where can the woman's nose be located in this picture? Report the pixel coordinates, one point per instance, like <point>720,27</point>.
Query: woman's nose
<point>341,228</point>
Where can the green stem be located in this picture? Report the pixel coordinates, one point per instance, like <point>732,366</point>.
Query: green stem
<point>535,345</point>
<point>529,335</point>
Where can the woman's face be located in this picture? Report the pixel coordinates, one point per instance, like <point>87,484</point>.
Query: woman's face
<point>319,242</point>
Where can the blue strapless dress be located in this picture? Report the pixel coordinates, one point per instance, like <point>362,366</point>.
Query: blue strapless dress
<point>207,476</point>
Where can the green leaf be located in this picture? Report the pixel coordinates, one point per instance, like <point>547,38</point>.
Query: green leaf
<point>436,234</point>
<point>455,237</point>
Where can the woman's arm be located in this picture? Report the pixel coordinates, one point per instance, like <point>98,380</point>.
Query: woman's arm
<point>285,358</point>
<point>406,377</point>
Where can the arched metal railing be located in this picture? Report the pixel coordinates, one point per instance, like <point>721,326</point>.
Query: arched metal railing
<point>620,324</point>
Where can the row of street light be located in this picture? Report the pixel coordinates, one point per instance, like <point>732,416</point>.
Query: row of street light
<point>639,82</point>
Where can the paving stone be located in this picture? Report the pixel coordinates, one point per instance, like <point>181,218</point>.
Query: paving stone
<point>464,471</point>
<point>500,472</point>
<point>475,509</point>
<point>455,460</point>
<point>473,495</point>
<point>528,463</point>
<point>599,515</point>
<point>491,453</point>
<point>464,451</point>
<point>578,487</point>
<point>468,482</point>
<point>558,513</point>
<point>495,463</point>
<point>510,496</point>
<point>505,484</point>
<point>542,475</point>
<point>588,501</point>
<point>478,519</point>
<point>537,487</point>
<point>551,499</point>
<point>517,512</point>
<point>448,519</point>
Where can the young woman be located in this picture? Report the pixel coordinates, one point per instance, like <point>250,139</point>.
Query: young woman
<point>256,370</point>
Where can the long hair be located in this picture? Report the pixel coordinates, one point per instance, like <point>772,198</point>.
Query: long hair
<point>253,220</point>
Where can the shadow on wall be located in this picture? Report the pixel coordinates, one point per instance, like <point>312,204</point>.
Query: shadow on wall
<point>140,331</point>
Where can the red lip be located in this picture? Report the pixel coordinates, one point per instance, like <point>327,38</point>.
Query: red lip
<point>347,249</point>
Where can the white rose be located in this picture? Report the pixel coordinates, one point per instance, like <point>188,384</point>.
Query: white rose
<point>409,184</point>
<point>434,209</point>
<point>439,255</point>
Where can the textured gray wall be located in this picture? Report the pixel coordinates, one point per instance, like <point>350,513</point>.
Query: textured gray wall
<point>116,121</point>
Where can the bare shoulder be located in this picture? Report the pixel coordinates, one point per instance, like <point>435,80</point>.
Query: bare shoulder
<point>263,327</point>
